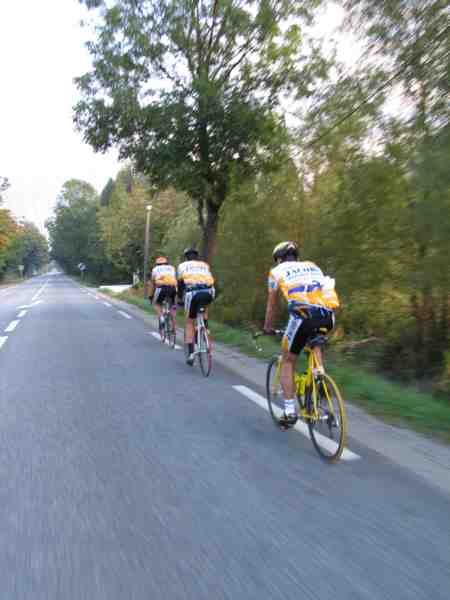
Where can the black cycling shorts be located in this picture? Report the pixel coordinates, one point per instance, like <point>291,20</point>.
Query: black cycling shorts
<point>300,329</point>
<point>194,300</point>
<point>165,292</point>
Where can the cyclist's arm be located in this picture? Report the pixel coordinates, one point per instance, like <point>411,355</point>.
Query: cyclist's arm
<point>270,309</point>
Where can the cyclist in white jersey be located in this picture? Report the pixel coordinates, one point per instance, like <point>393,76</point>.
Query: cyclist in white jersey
<point>311,299</point>
<point>197,283</point>
<point>163,286</point>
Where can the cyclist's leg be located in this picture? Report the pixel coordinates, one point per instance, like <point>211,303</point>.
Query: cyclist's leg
<point>162,305</point>
<point>173,307</point>
<point>189,305</point>
<point>199,299</point>
<point>290,352</point>
<point>189,308</point>
<point>157,302</point>
<point>212,295</point>
<point>288,361</point>
<point>207,298</point>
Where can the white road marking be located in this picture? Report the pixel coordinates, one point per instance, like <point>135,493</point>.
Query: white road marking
<point>3,340</point>
<point>22,314</point>
<point>107,304</point>
<point>39,292</point>
<point>124,314</point>
<point>11,326</point>
<point>299,426</point>
<point>158,337</point>
<point>30,305</point>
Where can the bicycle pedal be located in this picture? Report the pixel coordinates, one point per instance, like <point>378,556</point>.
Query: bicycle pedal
<point>286,422</point>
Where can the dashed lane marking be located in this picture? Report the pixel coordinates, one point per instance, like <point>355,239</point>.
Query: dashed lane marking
<point>3,340</point>
<point>30,305</point>
<point>11,326</point>
<point>39,292</point>
<point>158,337</point>
<point>107,304</point>
<point>124,314</point>
<point>22,314</point>
<point>299,426</point>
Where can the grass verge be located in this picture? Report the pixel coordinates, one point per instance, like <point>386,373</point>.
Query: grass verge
<point>10,282</point>
<point>393,402</point>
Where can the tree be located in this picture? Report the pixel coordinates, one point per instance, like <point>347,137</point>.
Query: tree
<point>8,231</point>
<point>413,39</point>
<point>189,90</point>
<point>28,248</point>
<point>106,193</point>
<point>73,230</point>
<point>122,221</point>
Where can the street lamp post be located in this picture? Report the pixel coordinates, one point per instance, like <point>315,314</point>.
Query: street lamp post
<point>148,208</point>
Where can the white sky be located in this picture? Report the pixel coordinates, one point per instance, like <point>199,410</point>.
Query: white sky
<point>42,50</point>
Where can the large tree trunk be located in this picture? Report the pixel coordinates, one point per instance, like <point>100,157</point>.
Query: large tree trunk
<point>208,219</point>
<point>210,232</point>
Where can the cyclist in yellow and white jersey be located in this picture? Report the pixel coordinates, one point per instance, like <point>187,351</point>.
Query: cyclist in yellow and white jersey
<point>196,282</point>
<point>163,286</point>
<point>311,299</point>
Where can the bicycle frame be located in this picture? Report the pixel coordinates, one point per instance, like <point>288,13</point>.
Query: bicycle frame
<point>199,324</point>
<point>310,382</point>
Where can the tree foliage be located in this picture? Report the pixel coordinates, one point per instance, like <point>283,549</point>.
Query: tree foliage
<point>8,231</point>
<point>188,89</point>
<point>28,248</point>
<point>74,229</point>
<point>20,243</point>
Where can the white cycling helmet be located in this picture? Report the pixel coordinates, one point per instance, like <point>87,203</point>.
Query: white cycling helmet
<point>284,249</point>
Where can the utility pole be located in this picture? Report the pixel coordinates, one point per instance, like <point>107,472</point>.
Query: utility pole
<point>148,208</point>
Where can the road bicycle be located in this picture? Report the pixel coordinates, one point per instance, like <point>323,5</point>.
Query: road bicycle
<point>166,329</point>
<point>320,404</point>
<point>202,343</point>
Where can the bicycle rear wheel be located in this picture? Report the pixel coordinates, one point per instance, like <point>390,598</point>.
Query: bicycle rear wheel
<point>328,430</point>
<point>274,393</point>
<point>205,354</point>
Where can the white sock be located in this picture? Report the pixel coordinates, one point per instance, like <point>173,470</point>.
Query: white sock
<point>289,406</point>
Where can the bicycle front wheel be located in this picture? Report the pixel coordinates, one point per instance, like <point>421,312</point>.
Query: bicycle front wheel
<point>205,354</point>
<point>274,393</point>
<point>328,424</point>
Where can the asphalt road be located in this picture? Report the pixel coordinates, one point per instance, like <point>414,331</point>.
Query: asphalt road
<point>126,475</point>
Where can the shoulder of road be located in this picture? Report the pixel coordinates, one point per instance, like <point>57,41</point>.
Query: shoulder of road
<point>426,458</point>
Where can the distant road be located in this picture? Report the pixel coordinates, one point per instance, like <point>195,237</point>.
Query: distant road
<point>127,475</point>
